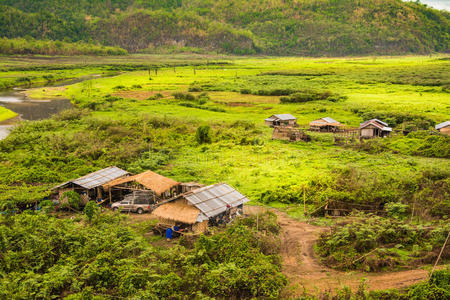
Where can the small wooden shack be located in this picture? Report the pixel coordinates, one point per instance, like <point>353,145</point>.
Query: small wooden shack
<point>207,206</point>
<point>158,186</point>
<point>90,185</point>
<point>289,134</point>
<point>444,127</point>
<point>326,124</point>
<point>374,128</point>
<point>281,120</point>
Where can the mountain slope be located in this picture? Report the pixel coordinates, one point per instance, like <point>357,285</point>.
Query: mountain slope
<point>276,27</point>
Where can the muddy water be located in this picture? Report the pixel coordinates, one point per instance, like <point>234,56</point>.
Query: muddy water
<point>28,109</point>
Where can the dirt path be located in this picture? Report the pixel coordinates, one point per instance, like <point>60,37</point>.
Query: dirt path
<point>302,267</point>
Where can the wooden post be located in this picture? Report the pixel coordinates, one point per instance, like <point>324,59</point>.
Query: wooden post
<point>414,205</point>
<point>439,257</point>
<point>304,200</point>
<point>257,214</point>
<point>109,192</point>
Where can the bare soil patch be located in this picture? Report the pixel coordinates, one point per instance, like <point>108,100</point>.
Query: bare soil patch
<point>140,95</point>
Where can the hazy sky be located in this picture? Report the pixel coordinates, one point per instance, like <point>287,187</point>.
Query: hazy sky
<point>440,4</point>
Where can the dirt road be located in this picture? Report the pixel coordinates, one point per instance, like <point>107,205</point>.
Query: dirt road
<point>302,267</point>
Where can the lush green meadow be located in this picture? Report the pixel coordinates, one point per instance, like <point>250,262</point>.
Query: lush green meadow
<point>144,112</point>
<point>134,111</point>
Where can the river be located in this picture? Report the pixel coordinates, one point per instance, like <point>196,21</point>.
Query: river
<point>32,109</point>
<point>28,109</point>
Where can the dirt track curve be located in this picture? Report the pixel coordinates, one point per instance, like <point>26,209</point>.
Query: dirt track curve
<point>304,271</point>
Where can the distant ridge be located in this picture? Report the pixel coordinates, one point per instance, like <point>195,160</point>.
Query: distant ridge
<point>272,27</point>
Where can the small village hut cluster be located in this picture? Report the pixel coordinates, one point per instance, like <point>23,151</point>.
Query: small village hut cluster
<point>190,206</point>
<point>207,206</point>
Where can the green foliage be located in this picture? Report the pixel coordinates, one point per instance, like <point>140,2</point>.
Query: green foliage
<point>310,95</point>
<point>71,199</point>
<point>396,210</point>
<point>373,243</point>
<point>30,46</point>
<point>46,257</point>
<point>47,206</point>
<point>203,134</point>
<point>183,96</point>
<point>421,143</point>
<point>438,287</point>
<point>238,27</point>
<point>91,210</point>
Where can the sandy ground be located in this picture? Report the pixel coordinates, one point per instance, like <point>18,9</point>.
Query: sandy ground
<point>302,267</point>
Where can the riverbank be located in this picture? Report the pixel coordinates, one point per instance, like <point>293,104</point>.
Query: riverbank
<point>6,114</point>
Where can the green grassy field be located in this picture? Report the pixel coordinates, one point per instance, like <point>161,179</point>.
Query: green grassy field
<point>404,91</point>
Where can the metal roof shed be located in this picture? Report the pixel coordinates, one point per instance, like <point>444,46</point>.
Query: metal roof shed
<point>214,199</point>
<point>97,178</point>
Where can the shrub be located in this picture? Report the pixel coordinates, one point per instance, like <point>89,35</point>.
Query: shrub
<point>373,243</point>
<point>47,206</point>
<point>195,89</point>
<point>203,134</point>
<point>73,200</point>
<point>183,96</point>
<point>396,210</point>
<point>91,209</point>
<point>311,95</point>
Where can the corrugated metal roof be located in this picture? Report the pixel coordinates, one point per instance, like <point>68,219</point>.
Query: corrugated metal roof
<point>442,125</point>
<point>375,122</point>
<point>285,117</point>
<point>97,178</point>
<point>329,120</point>
<point>213,200</point>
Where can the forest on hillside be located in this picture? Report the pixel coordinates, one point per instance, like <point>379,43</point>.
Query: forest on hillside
<point>276,27</point>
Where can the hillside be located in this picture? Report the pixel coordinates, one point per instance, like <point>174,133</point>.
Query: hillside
<point>274,27</point>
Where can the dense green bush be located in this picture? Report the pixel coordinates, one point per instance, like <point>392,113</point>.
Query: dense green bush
<point>71,199</point>
<point>46,257</point>
<point>420,143</point>
<point>32,46</point>
<point>91,210</point>
<point>351,188</point>
<point>373,243</point>
<point>311,95</point>
<point>203,134</point>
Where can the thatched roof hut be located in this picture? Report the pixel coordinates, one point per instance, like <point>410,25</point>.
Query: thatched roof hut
<point>178,211</point>
<point>148,180</point>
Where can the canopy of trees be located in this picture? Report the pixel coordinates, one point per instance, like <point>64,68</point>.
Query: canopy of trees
<point>278,27</point>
